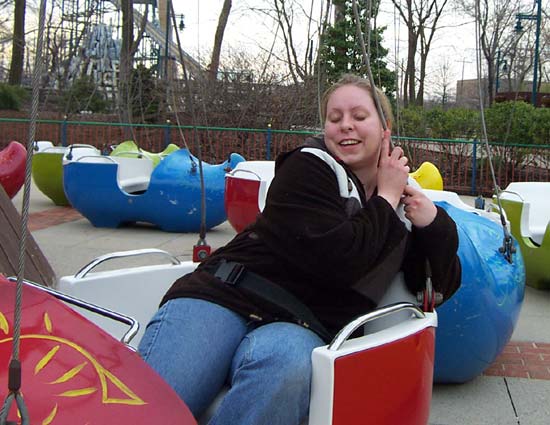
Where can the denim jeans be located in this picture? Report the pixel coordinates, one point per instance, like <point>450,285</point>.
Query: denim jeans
<point>198,347</point>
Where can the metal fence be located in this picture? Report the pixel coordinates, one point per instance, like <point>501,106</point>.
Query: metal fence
<point>464,164</point>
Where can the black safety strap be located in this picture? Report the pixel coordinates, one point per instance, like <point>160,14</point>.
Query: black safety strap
<point>235,274</point>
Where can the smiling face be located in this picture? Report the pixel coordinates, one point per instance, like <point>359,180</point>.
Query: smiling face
<point>353,131</point>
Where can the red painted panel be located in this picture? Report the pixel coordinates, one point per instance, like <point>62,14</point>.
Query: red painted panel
<point>388,385</point>
<point>241,201</point>
<point>12,168</point>
<point>74,372</point>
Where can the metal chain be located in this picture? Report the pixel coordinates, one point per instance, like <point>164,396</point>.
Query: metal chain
<point>507,248</point>
<point>14,378</point>
<point>366,59</point>
<point>202,232</point>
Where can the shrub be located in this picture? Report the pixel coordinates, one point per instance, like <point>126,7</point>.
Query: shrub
<point>510,122</point>
<point>540,127</point>
<point>84,95</point>
<point>412,122</point>
<point>146,97</point>
<point>11,97</point>
<point>463,123</point>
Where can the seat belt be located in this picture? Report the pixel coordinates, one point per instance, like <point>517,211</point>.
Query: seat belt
<point>235,274</point>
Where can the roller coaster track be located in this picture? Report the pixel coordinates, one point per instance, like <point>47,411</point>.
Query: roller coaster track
<point>159,36</point>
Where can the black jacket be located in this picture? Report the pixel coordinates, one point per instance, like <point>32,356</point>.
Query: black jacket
<point>309,242</point>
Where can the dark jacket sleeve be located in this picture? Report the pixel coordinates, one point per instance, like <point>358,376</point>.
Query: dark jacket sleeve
<point>305,222</point>
<point>437,243</point>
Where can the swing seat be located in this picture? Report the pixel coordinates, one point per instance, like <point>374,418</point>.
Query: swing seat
<point>535,216</point>
<point>380,378</point>
<point>72,370</point>
<point>47,167</point>
<point>245,191</point>
<point>129,149</point>
<point>527,207</point>
<point>133,174</point>
<point>113,190</point>
<point>428,176</point>
<point>12,168</point>
<point>399,353</point>
<point>134,291</point>
<point>478,321</point>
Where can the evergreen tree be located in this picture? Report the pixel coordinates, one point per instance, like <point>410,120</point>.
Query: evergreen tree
<point>341,49</point>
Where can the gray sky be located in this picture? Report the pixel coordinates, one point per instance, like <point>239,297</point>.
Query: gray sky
<point>454,43</point>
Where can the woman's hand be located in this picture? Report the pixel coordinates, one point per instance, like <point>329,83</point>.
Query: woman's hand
<point>419,209</point>
<point>393,172</point>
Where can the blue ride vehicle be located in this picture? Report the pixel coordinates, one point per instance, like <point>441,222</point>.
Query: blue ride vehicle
<point>111,191</point>
<point>477,322</point>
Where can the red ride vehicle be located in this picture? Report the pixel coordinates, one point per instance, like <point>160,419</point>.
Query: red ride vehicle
<point>12,168</point>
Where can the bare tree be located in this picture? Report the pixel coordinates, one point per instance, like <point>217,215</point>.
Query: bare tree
<point>295,26</point>
<point>18,43</point>
<point>496,18</point>
<point>218,38</point>
<point>285,21</point>
<point>127,52</point>
<point>4,4</point>
<point>64,39</point>
<point>6,32</point>
<point>421,18</point>
<point>427,33</point>
<point>298,51</point>
<point>443,82</point>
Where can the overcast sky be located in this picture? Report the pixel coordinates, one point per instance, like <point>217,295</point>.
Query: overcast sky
<point>454,43</point>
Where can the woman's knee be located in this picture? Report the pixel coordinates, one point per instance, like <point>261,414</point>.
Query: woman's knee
<point>282,350</point>
<point>190,343</point>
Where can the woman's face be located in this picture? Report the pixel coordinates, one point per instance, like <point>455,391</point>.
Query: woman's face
<point>353,131</point>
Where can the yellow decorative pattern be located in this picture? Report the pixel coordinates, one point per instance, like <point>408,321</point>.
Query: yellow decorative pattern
<point>105,377</point>
<point>4,327</point>
<point>78,393</point>
<point>70,374</point>
<point>122,387</point>
<point>47,322</point>
<point>49,419</point>
<point>43,362</point>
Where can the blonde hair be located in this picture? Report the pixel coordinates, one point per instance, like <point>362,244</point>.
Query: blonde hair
<point>362,83</point>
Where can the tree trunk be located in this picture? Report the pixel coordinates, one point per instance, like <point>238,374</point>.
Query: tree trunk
<point>410,71</point>
<point>420,94</point>
<point>220,30</point>
<point>126,57</point>
<point>340,15</point>
<point>18,45</point>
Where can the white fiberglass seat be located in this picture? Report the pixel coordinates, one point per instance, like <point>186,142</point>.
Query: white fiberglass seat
<point>353,379</point>
<point>133,291</point>
<point>535,216</point>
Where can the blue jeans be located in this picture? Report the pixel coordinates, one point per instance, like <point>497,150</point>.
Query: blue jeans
<point>198,347</point>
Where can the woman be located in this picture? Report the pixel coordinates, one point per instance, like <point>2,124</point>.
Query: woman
<point>323,251</point>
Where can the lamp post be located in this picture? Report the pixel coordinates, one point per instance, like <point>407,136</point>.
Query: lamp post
<point>504,63</point>
<point>518,29</point>
<point>181,24</point>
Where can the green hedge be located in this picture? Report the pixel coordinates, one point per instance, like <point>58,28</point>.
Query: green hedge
<point>11,97</point>
<point>507,122</point>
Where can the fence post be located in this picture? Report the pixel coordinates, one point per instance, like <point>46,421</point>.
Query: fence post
<point>167,134</point>
<point>268,143</point>
<point>474,168</point>
<point>64,131</point>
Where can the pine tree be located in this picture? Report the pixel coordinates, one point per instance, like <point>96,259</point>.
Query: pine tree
<point>341,50</point>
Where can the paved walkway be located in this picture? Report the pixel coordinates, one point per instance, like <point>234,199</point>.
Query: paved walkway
<point>52,217</point>
<point>515,389</point>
